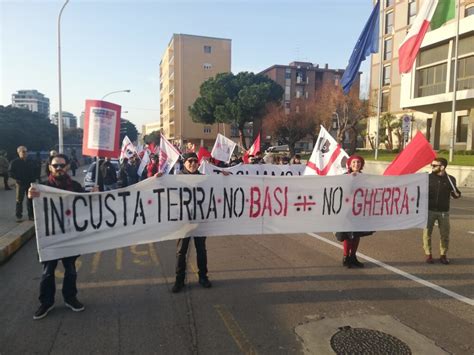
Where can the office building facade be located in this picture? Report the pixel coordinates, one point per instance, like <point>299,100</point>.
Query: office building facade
<point>31,100</point>
<point>69,120</point>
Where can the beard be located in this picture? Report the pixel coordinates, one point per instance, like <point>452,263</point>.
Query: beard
<point>60,176</point>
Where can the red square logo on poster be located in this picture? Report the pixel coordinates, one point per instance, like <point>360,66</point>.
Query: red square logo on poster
<point>101,129</point>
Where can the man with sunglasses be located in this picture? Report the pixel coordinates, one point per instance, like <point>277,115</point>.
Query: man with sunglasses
<point>58,178</point>
<point>24,172</point>
<point>441,187</point>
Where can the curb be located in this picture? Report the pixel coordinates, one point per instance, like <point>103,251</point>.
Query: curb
<point>12,241</point>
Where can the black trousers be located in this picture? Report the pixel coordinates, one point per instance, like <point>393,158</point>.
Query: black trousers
<point>48,282</point>
<point>201,253</point>
<point>5,180</point>
<point>21,192</point>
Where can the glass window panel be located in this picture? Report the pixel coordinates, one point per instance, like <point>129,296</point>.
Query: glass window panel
<point>385,99</point>
<point>386,75</point>
<point>462,127</point>
<point>387,55</point>
<point>469,11</point>
<point>466,46</point>
<point>433,55</point>
<point>411,11</point>
<point>389,23</point>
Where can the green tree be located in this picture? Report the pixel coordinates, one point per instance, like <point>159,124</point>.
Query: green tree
<point>154,137</point>
<point>73,136</point>
<point>235,99</point>
<point>128,129</point>
<point>24,127</point>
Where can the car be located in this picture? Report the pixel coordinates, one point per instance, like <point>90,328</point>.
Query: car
<point>278,149</point>
<point>89,178</point>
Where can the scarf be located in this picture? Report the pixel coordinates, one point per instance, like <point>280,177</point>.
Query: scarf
<point>64,183</point>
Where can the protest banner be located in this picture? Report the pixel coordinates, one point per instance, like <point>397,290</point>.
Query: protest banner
<point>327,158</point>
<point>207,168</point>
<point>172,207</point>
<point>101,129</point>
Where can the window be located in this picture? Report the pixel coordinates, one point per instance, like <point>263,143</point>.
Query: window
<point>207,129</point>
<point>207,49</point>
<point>466,73</point>
<point>387,49</point>
<point>385,99</point>
<point>287,104</point>
<point>411,11</point>
<point>386,74</point>
<point>462,127</point>
<point>287,93</point>
<point>388,3</point>
<point>337,78</point>
<point>389,23</point>
<point>288,74</point>
<point>432,80</point>
<point>469,11</point>
<point>207,66</point>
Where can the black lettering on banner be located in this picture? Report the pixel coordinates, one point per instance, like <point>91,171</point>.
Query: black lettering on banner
<point>139,203</point>
<point>46,217</point>
<point>124,194</point>
<point>99,197</point>
<point>74,213</point>
<point>112,212</point>
<point>185,202</point>
<point>199,201</point>
<point>168,195</point>
<point>332,200</point>
<point>212,204</point>
<point>58,214</point>
<point>159,192</point>
<point>242,204</point>
<point>228,203</point>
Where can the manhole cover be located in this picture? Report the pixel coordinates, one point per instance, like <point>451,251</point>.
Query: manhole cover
<point>366,341</point>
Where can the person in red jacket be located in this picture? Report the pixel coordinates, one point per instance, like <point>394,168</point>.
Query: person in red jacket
<point>152,167</point>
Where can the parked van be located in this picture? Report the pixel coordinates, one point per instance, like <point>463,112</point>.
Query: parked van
<point>278,149</point>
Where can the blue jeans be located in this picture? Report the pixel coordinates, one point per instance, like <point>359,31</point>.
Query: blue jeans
<point>48,282</point>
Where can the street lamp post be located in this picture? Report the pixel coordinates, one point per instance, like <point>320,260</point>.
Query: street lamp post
<point>60,114</point>
<point>114,92</point>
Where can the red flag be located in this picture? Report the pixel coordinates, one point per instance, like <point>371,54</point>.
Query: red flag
<point>416,155</point>
<point>203,153</point>
<point>253,149</point>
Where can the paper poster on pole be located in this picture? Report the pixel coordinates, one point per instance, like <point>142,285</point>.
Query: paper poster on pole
<point>101,129</point>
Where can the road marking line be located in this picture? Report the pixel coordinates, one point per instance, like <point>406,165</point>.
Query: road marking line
<point>234,330</point>
<point>433,286</point>
<point>120,283</point>
<point>95,262</point>
<point>118,259</point>
<point>153,254</point>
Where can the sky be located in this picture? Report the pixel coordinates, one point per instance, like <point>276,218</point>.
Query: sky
<point>117,45</point>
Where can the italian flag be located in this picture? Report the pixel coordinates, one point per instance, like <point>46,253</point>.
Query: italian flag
<point>433,13</point>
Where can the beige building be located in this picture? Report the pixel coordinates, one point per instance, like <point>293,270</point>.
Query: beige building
<point>187,62</point>
<point>426,93</point>
<point>150,127</point>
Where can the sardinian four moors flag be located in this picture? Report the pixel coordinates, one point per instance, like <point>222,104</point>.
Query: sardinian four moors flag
<point>328,158</point>
<point>169,155</point>
<point>223,148</point>
<point>128,149</point>
<point>433,13</point>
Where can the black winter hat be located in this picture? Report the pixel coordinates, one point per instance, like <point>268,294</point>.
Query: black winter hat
<point>187,156</point>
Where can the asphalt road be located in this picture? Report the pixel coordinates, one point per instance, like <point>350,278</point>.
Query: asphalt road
<point>269,295</point>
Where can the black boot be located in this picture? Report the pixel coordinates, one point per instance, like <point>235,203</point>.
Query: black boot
<point>355,262</point>
<point>346,262</point>
<point>178,286</point>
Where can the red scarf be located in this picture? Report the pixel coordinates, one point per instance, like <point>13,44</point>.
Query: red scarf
<point>64,184</point>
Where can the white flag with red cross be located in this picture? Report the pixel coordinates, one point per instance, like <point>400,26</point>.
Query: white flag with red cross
<point>223,148</point>
<point>328,158</point>
<point>168,154</point>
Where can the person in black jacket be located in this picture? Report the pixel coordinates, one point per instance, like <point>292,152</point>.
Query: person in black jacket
<point>109,175</point>
<point>58,178</point>
<point>441,187</point>
<point>24,172</point>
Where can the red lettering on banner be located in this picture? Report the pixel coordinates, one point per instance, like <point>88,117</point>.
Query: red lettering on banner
<point>272,202</point>
<point>380,201</point>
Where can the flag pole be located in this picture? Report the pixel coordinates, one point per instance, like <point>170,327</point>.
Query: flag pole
<point>379,98</point>
<point>455,86</point>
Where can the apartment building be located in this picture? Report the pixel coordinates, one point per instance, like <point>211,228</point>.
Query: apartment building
<point>69,120</point>
<point>187,62</point>
<point>426,93</point>
<point>31,100</point>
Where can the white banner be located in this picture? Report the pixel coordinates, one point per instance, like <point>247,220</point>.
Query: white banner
<point>327,158</point>
<point>223,148</point>
<point>254,169</point>
<point>177,206</point>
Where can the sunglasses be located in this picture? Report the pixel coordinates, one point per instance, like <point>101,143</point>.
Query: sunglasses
<point>435,165</point>
<point>192,161</point>
<point>56,166</point>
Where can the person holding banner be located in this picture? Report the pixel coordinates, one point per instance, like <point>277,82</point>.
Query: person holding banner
<point>58,178</point>
<point>351,240</point>
<point>441,187</point>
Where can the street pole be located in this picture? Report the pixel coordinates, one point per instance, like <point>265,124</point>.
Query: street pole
<point>380,96</point>
<point>60,113</point>
<point>455,86</point>
<point>114,92</point>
